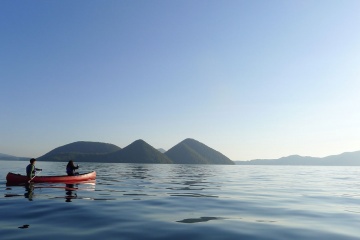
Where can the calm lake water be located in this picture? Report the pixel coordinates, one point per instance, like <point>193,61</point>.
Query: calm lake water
<point>141,201</point>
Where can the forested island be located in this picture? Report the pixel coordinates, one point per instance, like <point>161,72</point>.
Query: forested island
<point>189,151</point>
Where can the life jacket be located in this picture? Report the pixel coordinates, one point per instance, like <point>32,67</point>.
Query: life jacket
<point>30,170</point>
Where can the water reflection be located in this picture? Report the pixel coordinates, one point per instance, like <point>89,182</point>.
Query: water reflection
<point>29,191</point>
<point>197,220</point>
<point>32,191</point>
<point>193,195</point>
<point>139,172</point>
<point>194,181</point>
<point>70,191</point>
<point>25,226</point>
<point>180,201</point>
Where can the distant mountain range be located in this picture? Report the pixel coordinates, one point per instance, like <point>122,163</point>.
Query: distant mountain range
<point>344,159</point>
<point>9,157</point>
<point>188,151</point>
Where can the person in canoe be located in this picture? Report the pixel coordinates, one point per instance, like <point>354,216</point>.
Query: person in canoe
<point>31,169</point>
<point>70,168</point>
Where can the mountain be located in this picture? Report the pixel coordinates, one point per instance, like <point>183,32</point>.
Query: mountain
<point>188,151</point>
<point>344,159</point>
<point>138,152</point>
<point>81,151</point>
<point>289,160</point>
<point>161,150</point>
<point>13,158</point>
<point>191,151</point>
<point>86,147</point>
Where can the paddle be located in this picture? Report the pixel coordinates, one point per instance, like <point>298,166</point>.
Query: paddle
<point>34,176</point>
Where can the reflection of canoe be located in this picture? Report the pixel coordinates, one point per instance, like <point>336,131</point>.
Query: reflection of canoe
<point>17,178</point>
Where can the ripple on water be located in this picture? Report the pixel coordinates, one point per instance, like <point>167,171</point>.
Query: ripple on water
<point>134,201</point>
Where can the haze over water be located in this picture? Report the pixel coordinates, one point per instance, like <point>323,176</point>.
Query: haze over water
<point>139,201</point>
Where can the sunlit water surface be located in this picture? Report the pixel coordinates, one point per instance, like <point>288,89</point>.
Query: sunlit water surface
<point>140,201</point>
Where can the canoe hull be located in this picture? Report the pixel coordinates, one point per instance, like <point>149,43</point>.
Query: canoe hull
<point>18,178</point>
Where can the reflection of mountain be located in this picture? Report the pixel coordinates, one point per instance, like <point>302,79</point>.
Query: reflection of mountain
<point>191,151</point>
<point>344,159</point>
<point>139,151</point>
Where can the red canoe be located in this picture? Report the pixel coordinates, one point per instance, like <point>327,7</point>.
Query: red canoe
<point>17,178</point>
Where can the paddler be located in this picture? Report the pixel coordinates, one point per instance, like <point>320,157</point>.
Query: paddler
<point>31,169</point>
<point>70,168</point>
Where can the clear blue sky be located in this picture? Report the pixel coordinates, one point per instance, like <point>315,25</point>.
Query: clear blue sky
<point>251,79</point>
